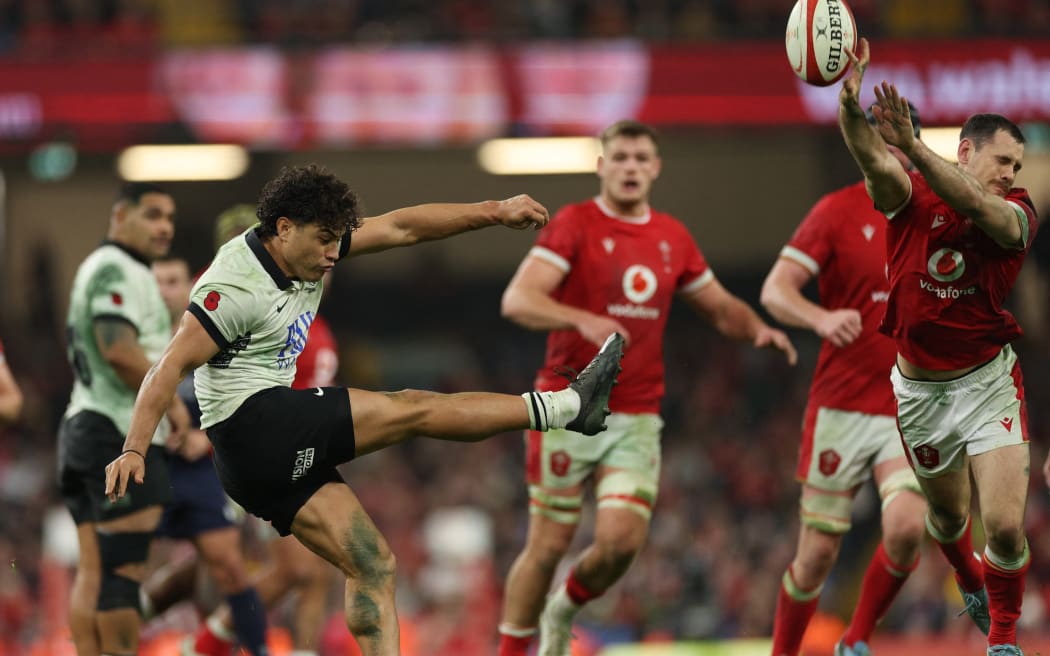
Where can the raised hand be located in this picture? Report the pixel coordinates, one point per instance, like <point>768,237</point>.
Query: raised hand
<point>849,95</point>
<point>893,117</point>
<point>521,211</point>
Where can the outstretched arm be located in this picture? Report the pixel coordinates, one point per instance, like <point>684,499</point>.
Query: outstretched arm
<point>735,319</point>
<point>527,301</point>
<point>887,181</point>
<point>189,348</point>
<point>411,225</point>
<point>1003,222</point>
<point>782,297</point>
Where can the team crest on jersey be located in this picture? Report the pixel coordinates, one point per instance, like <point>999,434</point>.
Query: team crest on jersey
<point>869,231</point>
<point>665,252</point>
<point>608,244</point>
<point>639,283</point>
<point>295,341</point>
<point>946,265</point>
<point>927,456</point>
<point>829,462</point>
<point>560,461</point>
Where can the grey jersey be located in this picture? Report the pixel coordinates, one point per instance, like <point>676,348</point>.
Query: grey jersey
<point>116,283</point>
<point>257,316</point>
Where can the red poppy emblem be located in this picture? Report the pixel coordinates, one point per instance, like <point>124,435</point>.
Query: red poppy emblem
<point>116,298</point>
<point>211,301</point>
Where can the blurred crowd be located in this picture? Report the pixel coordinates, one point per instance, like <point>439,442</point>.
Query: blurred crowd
<point>66,25</point>
<point>455,514</point>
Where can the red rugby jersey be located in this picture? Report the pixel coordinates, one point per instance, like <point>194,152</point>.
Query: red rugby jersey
<point>842,241</point>
<point>625,268</point>
<point>319,361</point>
<point>948,282</point>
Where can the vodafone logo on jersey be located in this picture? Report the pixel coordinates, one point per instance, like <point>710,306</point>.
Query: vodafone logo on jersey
<point>946,265</point>
<point>639,283</point>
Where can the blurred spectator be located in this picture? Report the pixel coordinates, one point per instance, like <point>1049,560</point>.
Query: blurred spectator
<point>46,25</point>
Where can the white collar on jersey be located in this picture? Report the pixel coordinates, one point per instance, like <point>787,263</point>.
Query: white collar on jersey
<point>607,211</point>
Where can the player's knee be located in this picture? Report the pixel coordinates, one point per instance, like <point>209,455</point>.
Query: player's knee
<point>902,535</point>
<point>227,568</point>
<point>1004,535</point>
<point>296,571</point>
<point>116,551</point>
<point>546,550</point>
<point>948,520</point>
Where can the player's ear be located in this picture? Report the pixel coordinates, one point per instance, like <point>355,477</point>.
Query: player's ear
<point>601,165</point>
<point>657,165</point>
<point>284,226</point>
<point>965,151</point>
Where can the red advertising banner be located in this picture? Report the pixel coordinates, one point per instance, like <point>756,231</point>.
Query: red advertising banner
<point>268,98</point>
<point>749,83</point>
<point>406,95</point>
<point>231,95</point>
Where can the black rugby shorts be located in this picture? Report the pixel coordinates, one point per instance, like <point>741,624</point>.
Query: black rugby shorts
<point>280,447</point>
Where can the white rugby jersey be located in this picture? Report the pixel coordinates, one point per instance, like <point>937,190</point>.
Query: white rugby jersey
<point>116,283</point>
<point>259,318</point>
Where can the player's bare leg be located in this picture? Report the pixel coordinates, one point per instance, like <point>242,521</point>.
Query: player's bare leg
<point>333,524</point>
<point>903,528</point>
<point>118,629</point>
<point>1001,476</point>
<point>529,579</point>
<point>619,534</point>
<point>311,609</point>
<point>948,521</point>
<point>84,595</point>
<point>168,584</point>
<point>383,419</point>
<point>220,549</point>
<point>800,588</point>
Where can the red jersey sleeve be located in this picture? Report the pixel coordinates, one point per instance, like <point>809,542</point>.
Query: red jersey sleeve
<point>812,244</point>
<point>696,273</point>
<point>558,242</point>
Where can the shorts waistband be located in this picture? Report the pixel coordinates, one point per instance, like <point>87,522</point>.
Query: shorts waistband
<point>991,369</point>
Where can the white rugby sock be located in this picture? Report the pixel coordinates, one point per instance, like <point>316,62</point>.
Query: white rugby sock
<point>549,410</point>
<point>561,606</point>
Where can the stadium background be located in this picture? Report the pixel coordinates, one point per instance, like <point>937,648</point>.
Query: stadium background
<point>396,96</point>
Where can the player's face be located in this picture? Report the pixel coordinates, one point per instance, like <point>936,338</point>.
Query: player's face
<point>995,164</point>
<point>627,168</point>
<point>310,251</point>
<point>149,225</point>
<point>173,278</point>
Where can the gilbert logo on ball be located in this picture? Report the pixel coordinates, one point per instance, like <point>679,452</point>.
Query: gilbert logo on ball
<point>818,34</point>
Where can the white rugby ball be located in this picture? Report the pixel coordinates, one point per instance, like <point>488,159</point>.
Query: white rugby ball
<point>818,33</point>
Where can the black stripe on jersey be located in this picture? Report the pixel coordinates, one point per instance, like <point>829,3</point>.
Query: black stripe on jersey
<point>266,260</point>
<point>209,326</point>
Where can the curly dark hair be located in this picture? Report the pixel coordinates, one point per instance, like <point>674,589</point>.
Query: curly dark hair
<point>307,194</point>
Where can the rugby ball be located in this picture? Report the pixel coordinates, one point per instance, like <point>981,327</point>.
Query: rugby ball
<point>818,34</point>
